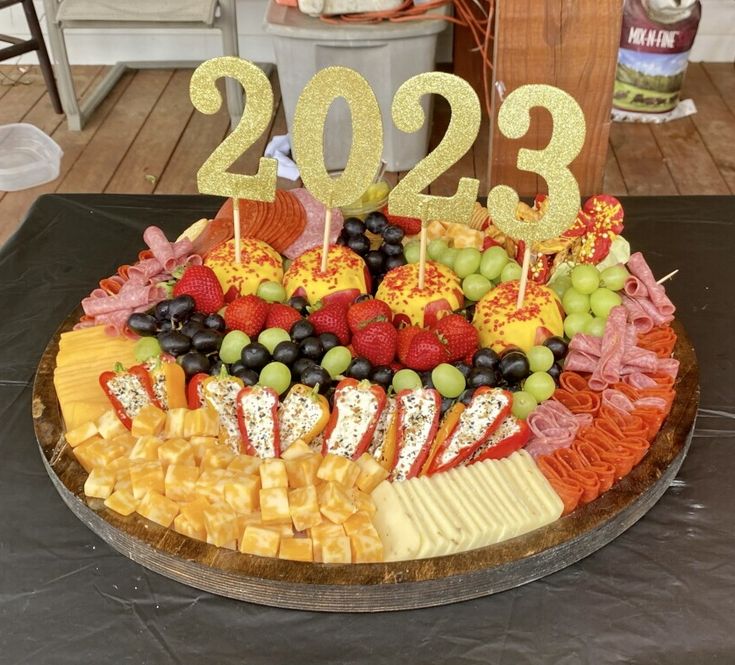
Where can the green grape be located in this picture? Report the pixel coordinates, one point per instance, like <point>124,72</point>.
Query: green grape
<point>510,272</point>
<point>595,327</point>
<point>575,323</point>
<point>476,286</point>
<point>336,361</point>
<point>493,261</point>
<point>523,404</point>
<point>406,379</point>
<point>232,345</point>
<point>540,358</point>
<point>146,348</point>
<point>271,337</point>
<point>574,301</point>
<point>436,248</point>
<point>585,278</point>
<point>277,376</point>
<point>448,380</point>
<point>603,300</point>
<point>467,262</point>
<point>614,277</point>
<point>448,256</point>
<point>540,385</point>
<point>271,292</point>
<point>560,285</point>
<point>411,251</point>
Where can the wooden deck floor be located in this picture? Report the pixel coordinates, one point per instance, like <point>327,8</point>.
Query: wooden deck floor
<point>146,138</point>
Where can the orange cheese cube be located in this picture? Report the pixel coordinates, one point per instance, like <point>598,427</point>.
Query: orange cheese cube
<point>201,422</point>
<point>363,501</point>
<point>366,547</point>
<point>273,473</point>
<point>81,434</point>
<point>97,452</point>
<point>242,494</point>
<point>338,470</point>
<point>304,506</point>
<point>244,465</point>
<point>184,526</point>
<point>173,428</point>
<point>360,521</point>
<point>202,444</point>
<point>109,425</point>
<point>217,458</point>
<point>371,473</point>
<point>122,502</point>
<point>284,529</point>
<point>121,468</point>
<point>194,513</point>
<point>259,541</point>
<point>221,524</point>
<point>100,483</point>
<point>326,530</point>
<point>302,470</point>
<point>146,448</point>
<point>274,505</point>
<point>297,449</point>
<point>158,508</point>
<point>126,440</point>
<point>149,421</point>
<point>335,550</point>
<point>146,477</point>
<point>211,484</point>
<point>296,549</point>
<point>335,503</point>
<point>176,451</point>
<point>180,482</point>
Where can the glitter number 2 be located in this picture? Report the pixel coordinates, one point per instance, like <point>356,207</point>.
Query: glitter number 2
<point>213,176</point>
<point>408,115</point>
<point>551,163</point>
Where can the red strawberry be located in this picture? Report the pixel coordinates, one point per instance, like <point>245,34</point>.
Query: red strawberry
<point>331,318</point>
<point>458,334</point>
<point>405,335</point>
<point>425,351</point>
<point>376,342</point>
<point>362,313</point>
<point>281,316</point>
<point>202,284</point>
<point>410,225</point>
<point>248,314</point>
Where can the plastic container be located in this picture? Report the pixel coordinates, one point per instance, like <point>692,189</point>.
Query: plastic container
<point>28,157</point>
<point>386,54</point>
<point>367,204</point>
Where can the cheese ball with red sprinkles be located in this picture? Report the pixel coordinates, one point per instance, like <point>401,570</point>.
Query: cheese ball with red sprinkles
<point>259,263</point>
<point>345,278</point>
<point>502,326</point>
<point>441,295</point>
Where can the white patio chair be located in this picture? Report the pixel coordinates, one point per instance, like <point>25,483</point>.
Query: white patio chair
<point>62,15</point>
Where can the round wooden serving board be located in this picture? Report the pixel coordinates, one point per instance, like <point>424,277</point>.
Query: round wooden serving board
<point>372,587</point>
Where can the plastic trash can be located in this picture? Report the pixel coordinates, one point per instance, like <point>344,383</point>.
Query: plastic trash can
<point>386,54</point>
<point>28,157</point>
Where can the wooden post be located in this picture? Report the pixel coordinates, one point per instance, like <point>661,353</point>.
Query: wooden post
<point>573,46</point>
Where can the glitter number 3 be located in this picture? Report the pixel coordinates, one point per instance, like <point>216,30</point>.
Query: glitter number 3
<point>551,163</point>
<point>213,177</point>
<point>408,115</point>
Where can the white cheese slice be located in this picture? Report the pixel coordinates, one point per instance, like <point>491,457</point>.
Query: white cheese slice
<point>526,519</point>
<point>440,544</point>
<point>446,519</point>
<point>473,522</point>
<point>487,475</point>
<point>528,470</point>
<point>427,545</point>
<point>400,536</point>
<point>474,490</point>
<point>523,491</point>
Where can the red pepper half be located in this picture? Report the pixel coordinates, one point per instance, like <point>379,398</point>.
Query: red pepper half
<point>257,417</point>
<point>128,391</point>
<point>486,411</point>
<point>512,435</point>
<point>357,406</point>
<point>194,390</point>
<point>416,424</point>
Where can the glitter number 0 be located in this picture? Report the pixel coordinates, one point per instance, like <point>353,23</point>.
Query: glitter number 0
<point>213,177</point>
<point>308,135</point>
<point>551,163</point>
<point>408,115</point>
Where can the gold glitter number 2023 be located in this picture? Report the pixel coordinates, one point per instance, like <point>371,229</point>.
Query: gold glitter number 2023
<point>551,163</point>
<point>213,177</point>
<point>408,115</point>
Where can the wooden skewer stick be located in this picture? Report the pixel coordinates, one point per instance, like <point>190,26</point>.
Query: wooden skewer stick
<point>524,276</point>
<point>236,224</point>
<point>667,277</point>
<point>325,242</point>
<point>423,242</point>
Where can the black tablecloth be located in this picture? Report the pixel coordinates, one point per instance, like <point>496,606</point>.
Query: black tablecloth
<point>663,592</point>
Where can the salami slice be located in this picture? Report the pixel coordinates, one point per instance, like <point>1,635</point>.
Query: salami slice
<point>612,349</point>
<point>313,233</point>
